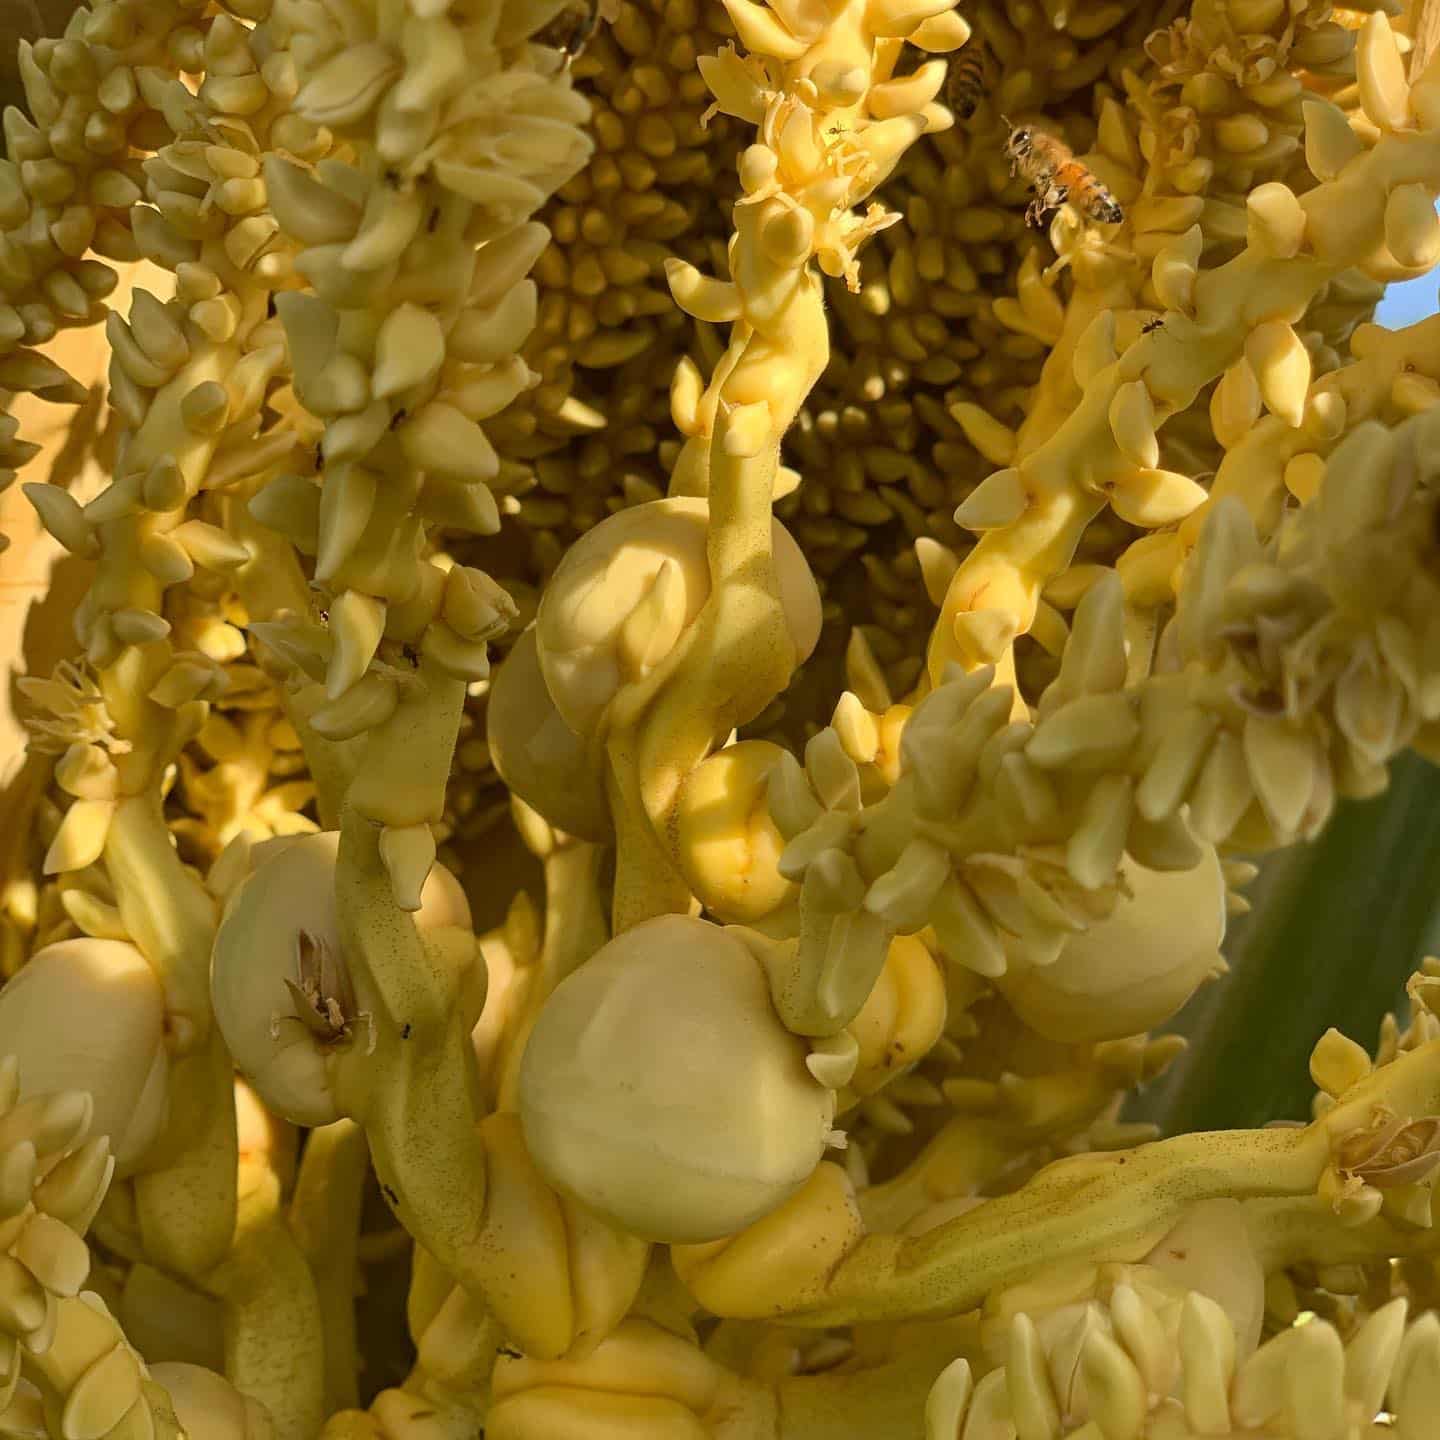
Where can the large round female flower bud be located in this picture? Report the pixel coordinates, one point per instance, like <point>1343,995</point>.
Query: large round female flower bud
<point>89,1015</point>
<point>625,591</point>
<point>660,1087</point>
<point>537,754</point>
<point>1135,970</point>
<point>280,980</point>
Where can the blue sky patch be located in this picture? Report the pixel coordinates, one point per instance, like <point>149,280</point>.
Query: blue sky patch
<point>1412,300</point>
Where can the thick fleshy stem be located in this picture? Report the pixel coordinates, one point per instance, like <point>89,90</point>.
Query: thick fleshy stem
<point>968,1153</point>
<point>646,880</point>
<point>738,653</point>
<point>447,1389</point>
<point>325,1220</point>
<point>456,1346</point>
<point>463,1185</point>
<point>417,1097</point>
<point>187,1203</point>
<point>186,1198</point>
<point>332,764</point>
<point>1306,1230</point>
<point>269,583</point>
<point>274,1330</point>
<point>800,181</point>
<point>166,910</point>
<point>1081,1210</point>
<point>575,928</point>
<point>460,1182</point>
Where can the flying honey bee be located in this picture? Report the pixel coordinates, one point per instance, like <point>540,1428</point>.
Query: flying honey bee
<point>1056,177</point>
<point>572,29</point>
<point>968,79</point>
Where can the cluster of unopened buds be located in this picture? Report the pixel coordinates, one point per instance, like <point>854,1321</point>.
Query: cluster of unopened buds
<point>675,985</point>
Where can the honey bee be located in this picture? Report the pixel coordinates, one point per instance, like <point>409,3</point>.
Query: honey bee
<point>1056,177</point>
<point>571,30</point>
<point>968,79</point>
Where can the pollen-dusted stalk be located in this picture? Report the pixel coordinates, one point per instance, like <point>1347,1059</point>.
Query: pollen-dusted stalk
<point>824,146</point>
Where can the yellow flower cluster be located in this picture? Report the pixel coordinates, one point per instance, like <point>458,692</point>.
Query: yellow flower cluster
<point>68,1366</point>
<point>687,359</point>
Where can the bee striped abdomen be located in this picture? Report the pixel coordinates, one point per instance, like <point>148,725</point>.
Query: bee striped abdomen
<point>967,80</point>
<point>1089,194</point>
<point>1057,178</point>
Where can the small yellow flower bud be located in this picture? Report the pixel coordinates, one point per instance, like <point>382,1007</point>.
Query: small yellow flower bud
<point>1337,1063</point>
<point>729,845</point>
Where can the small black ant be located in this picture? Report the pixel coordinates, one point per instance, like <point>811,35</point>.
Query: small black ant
<point>512,1352</point>
<point>405,1031</point>
<point>390,1195</point>
<point>1152,325</point>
